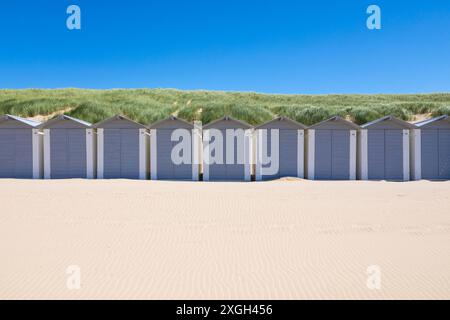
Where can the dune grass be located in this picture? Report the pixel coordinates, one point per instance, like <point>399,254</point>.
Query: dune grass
<point>149,105</point>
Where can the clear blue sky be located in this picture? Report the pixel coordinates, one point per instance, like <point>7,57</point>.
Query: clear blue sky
<point>276,46</point>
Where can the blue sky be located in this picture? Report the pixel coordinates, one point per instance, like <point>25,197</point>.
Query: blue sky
<point>282,46</point>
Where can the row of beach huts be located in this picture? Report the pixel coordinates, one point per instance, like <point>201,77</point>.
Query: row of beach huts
<point>335,149</point>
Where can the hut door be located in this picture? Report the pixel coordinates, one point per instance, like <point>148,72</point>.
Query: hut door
<point>444,154</point>
<point>394,154</point>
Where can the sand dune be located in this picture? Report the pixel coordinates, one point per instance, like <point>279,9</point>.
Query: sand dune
<point>267,240</point>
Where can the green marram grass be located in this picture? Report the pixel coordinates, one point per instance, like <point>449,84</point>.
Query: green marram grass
<point>150,105</point>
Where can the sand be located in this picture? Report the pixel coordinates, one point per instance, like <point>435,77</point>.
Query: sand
<point>263,240</point>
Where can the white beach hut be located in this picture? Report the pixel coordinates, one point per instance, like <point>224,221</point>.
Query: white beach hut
<point>21,153</point>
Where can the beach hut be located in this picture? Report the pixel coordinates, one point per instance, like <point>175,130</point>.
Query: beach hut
<point>384,149</point>
<point>69,148</point>
<point>174,150</point>
<point>227,150</point>
<point>20,148</point>
<point>279,149</point>
<point>430,149</point>
<point>331,150</point>
<point>122,149</point>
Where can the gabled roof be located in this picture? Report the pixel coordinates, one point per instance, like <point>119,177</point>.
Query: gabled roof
<point>64,117</point>
<point>117,117</point>
<point>339,119</point>
<point>169,119</point>
<point>282,119</point>
<point>400,122</point>
<point>28,122</point>
<point>432,120</point>
<point>227,118</point>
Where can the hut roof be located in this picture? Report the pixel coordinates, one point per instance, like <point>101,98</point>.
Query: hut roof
<point>64,117</point>
<point>115,118</point>
<point>400,122</point>
<point>339,119</point>
<point>28,122</point>
<point>282,119</point>
<point>424,123</point>
<point>168,120</point>
<point>230,119</point>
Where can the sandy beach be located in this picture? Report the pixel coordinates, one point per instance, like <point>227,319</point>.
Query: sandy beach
<point>261,240</point>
